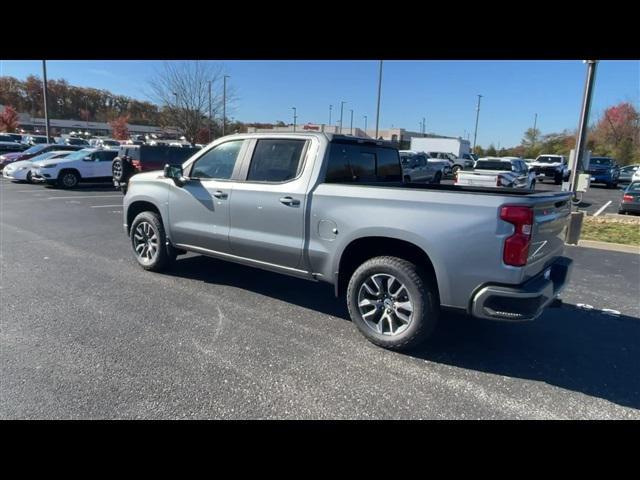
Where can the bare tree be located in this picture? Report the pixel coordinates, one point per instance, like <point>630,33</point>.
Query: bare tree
<point>182,88</point>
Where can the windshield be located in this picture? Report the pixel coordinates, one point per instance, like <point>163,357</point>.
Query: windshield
<point>493,165</point>
<point>601,161</point>
<point>634,187</point>
<point>547,159</point>
<point>35,149</point>
<point>44,156</point>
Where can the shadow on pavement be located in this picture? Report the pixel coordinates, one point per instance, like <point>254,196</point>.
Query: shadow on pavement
<point>584,351</point>
<point>87,187</point>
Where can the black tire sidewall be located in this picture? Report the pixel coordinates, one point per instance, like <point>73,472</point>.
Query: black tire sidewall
<point>64,174</point>
<point>425,313</point>
<point>162,259</point>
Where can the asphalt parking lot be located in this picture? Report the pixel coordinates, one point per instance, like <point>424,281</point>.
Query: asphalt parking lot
<point>86,333</point>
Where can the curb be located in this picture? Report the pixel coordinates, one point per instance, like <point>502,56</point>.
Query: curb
<point>614,247</point>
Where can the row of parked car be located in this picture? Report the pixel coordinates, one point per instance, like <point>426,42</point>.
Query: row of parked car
<point>66,165</point>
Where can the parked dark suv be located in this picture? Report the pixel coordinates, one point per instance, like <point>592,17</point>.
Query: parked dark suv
<point>604,170</point>
<point>134,159</point>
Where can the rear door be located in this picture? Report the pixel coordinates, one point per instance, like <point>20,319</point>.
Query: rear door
<point>102,164</point>
<point>267,208</point>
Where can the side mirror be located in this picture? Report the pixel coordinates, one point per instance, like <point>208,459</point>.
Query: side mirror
<point>87,159</point>
<point>174,172</point>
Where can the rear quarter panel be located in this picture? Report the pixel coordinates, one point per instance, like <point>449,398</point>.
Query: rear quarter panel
<point>460,232</point>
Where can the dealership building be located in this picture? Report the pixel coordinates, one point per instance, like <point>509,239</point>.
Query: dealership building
<point>400,135</point>
<point>29,124</point>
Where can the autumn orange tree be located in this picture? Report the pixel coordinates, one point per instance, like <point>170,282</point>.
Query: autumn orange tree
<point>617,134</point>
<point>120,127</point>
<point>9,119</point>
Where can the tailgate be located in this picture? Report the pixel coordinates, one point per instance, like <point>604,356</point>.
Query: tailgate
<point>551,220</point>
<point>476,179</point>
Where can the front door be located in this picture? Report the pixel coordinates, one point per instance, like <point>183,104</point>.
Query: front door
<point>199,209</point>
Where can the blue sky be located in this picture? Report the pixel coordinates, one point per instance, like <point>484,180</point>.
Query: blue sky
<point>442,91</point>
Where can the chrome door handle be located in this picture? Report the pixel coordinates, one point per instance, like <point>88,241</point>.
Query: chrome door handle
<point>289,201</point>
<point>219,194</point>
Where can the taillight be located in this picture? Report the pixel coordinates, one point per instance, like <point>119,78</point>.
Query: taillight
<point>516,247</point>
<point>627,198</point>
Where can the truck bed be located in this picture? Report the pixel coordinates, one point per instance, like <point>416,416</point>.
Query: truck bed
<point>463,189</point>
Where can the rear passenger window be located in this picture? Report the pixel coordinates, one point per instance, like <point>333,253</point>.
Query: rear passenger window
<point>106,156</point>
<point>356,163</point>
<point>276,160</point>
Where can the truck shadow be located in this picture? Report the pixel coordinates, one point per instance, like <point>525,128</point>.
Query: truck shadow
<point>584,351</point>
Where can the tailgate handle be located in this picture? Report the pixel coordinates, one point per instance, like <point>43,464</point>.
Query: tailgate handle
<point>289,201</point>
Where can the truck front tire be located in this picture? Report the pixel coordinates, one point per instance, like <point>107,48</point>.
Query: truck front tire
<point>149,242</point>
<point>393,303</point>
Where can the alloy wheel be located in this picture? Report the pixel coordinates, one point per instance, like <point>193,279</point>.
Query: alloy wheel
<point>385,304</point>
<point>145,242</point>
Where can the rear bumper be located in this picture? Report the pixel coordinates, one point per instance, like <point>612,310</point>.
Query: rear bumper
<point>525,301</point>
<point>629,207</point>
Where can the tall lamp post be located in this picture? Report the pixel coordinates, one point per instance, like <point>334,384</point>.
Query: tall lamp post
<point>177,114</point>
<point>330,108</point>
<point>351,124</point>
<point>365,125</point>
<point>224,102</point>
<point>44,98</point>
<point>581,140</point>
<point>379,90</point>
<point>475,134</point>
<point>210,111</point>
<point>341,110</point>
<point>294,118</point>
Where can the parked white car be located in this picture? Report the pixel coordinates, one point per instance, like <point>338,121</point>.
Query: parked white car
<point>509,172</point>
<point>88,164</point>
<point>636,176</point>
<point>21,170</point>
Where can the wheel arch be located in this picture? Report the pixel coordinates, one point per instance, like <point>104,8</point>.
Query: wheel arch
<point>361,249</point>
<point>138,206</point>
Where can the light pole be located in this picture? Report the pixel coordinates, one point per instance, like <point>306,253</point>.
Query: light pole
<point>224,102</point>
<point>341,110</point>
<point>581,140</point>
<point>177,115</point>
<point>351,125</point>
<point>44,98</point>
<point>379,89</point>
<point>535,122</point>
<point>209,111</point>
<point>294,118</point>
<point>330,108</point>
<point>475,134</point>
<point>365,125</point>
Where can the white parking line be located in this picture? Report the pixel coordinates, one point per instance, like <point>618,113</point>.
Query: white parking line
<point>105,206</point>
<point>84,196</point>
<point>602,209</point>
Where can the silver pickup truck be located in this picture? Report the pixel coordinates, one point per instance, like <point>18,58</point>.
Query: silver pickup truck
<point>333,208</point>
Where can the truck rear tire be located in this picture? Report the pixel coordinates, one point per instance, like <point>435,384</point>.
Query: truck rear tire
<point>149,242</point>
<point>393,303</point>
